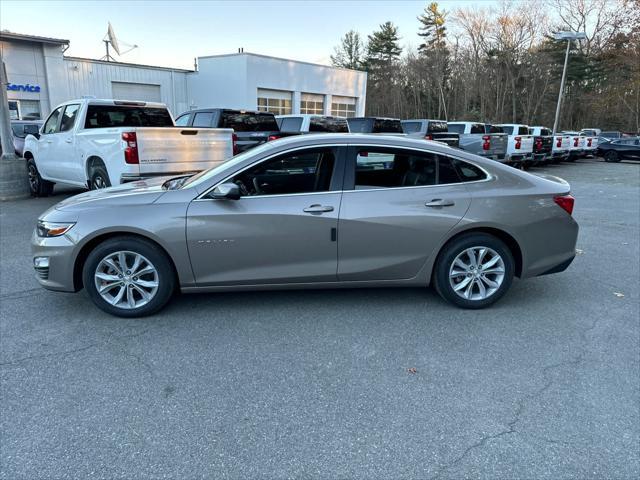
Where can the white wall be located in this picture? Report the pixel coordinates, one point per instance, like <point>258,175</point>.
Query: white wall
<point>233,81</point>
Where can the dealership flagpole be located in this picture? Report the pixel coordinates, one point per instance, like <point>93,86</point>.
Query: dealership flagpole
<point>13,171</point>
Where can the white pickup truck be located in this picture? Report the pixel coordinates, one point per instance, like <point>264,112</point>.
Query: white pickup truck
<point>520,144</point>
<point>98,143</point>
<point>577,144</point>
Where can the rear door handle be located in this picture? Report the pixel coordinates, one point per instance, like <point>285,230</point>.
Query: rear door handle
<point>439,202</point>
<point>318,209</point>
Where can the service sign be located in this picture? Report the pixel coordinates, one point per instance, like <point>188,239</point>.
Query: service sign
<point>14,87</point>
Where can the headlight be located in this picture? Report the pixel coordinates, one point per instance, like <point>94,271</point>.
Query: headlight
<point>50,229</point>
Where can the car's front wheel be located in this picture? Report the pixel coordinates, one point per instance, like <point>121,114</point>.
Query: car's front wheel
<point>474,270</point>
<point>128,277</point>
<point>611,156</point>
<point>38,187</point>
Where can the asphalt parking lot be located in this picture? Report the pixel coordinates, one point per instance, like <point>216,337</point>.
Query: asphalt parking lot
<point>383,383</point>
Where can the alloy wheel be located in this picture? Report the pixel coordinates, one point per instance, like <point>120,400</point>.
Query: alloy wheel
<point>477,273</point>
<point>34,180</point>
<point>98,182</point>
<point>126,280</point>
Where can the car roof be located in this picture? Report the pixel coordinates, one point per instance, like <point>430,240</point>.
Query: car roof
<point>422,120</point>
<point>310,115</point>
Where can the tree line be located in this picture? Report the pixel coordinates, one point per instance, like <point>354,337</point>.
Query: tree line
<point>503,64</point>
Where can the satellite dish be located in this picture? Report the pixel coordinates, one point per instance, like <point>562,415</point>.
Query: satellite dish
<point>112,39</point>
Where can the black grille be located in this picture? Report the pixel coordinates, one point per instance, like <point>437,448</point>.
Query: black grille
<point>42,272</point>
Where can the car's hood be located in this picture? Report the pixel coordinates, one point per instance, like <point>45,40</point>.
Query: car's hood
<point>140,192</point>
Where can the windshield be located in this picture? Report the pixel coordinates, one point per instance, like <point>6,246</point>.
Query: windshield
<point>205,175</point>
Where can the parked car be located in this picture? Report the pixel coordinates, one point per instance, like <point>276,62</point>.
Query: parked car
<point>20,130</point>
<point>374,125</point>
<point>577,144</point>
<point>430,130</point>
<point>590,144</point>
<point>251,128</point>
<point>473,138</point>
<point>310,123</point>
<point>98,143</point>
<point>542,144</point>
<point>520,144</point>
<point>561,148</point>
<point>312,211</point>
<point>627,148</point>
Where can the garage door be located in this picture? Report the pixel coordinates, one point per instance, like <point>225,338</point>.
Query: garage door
<point>136,91</point>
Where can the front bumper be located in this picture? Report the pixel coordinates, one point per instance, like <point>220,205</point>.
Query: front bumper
<point>59,252</point>
<point>134,177</point>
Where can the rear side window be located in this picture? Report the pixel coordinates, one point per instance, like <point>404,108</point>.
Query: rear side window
<point>202,119</point>
<point>468,172</point>
<point>437,127</point>
<point>182,120</point>
<point>411,127</point>
<point>290,124</point>
<point>523,131</point>
<point>493,129</point>
<point>249,122</point>
<point>327,124</point>
<point>456,128</point>
<point>386,126</point>
<point>477,128</point>
<point>105,116</point>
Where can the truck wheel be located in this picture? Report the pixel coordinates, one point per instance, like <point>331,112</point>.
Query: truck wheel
<point>37,186</point>
<point>611,156</point>
<point>99,178</point>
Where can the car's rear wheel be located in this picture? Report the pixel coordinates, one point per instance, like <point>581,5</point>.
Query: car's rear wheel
<point>128,277</point>
<point>474,270</point>
<point>611,156</point>
<point>99,178</point>
<point>38,187</point>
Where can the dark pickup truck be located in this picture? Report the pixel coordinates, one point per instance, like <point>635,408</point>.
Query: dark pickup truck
<point>542,144</point>
<point>250,128</point>
<point>374,125</point>
<point>437,130</point>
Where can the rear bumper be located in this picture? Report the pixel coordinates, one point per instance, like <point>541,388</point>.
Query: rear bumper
<point>561,267</point>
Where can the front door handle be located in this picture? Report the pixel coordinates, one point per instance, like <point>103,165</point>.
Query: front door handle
<point>318,209</point>
<point>439,202</point>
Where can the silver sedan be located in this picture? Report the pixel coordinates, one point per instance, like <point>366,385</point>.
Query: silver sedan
<point>334,210</point>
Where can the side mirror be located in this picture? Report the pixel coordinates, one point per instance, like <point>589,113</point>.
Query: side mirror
<point>226,191</point>
<point>31,129</point>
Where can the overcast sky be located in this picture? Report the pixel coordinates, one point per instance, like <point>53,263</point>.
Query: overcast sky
<point>172,33</point>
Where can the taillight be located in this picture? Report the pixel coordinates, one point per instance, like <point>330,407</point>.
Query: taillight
<point>566,202</point>
<point>589,140</point>
<point>518,142</point>
<point>538,144</point>
<point>486,144</point>
<point>575,141</point>
<point>272,137</point>
<point>559,142</point>
<point>428,137</point>
<point>131,150</point>
<point>234,140</point>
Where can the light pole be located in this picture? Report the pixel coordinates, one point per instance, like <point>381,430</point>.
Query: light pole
<point>568,36</point>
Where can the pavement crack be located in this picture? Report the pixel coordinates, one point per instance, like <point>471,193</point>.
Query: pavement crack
<point>51,354</point>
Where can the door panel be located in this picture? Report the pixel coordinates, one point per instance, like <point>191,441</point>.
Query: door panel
<point>263,239</point>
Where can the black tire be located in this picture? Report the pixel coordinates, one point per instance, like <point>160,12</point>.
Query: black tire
<point>99,178</point>
<point>37,186</point>
<point>166,277</point>
<point>611,156</point>
<point>456,247</point>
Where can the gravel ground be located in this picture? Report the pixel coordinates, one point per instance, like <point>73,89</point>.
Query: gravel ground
<point>317,384</point>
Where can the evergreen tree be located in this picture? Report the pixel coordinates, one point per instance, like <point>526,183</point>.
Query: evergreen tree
<point>350,52</point>
<point>432,29</point>
<point>383,47</point>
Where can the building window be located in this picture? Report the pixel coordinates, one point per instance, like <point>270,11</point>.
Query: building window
<point>274,101</point>
<point>343,106</point>
<point>312,103</point>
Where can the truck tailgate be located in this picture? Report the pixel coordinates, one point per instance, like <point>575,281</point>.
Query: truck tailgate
<point>182,150</point>
<point>497,145</point>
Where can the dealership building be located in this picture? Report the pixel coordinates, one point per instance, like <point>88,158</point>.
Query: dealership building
<point>40,77</point>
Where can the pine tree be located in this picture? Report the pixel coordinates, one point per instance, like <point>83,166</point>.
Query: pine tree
<point>350,52</point>
<point>432,29</point>
<point>383,48</point>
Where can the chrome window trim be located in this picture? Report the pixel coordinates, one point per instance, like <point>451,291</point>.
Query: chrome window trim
<point>488,178</point>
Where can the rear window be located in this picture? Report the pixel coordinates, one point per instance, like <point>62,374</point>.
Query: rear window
<point>386,126</point>
<point>493,129</point>
<point>290,124</point>
<point>249,122</point>
<point>523,131</point>
<point>508,130</point>
<point>327,124</point>
<point>456,128</point>
<point>437,127</point>
<point>477,128</point>
<point>545,132</point>
<point>105,116</point>
<point>411,127</point>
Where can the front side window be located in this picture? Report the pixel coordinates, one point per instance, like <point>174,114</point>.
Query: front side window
<point>304,171</point>
<point>290,124</point>
<point>182,120</point>
<point>69,117</point>
<point>51,125</point>
<point>456,127</point>
<point>202,119</point>
<point>411,127</point>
